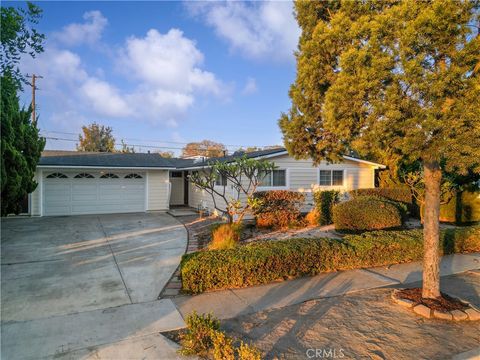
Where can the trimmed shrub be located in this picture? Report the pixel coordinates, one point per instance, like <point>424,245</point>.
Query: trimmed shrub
<point>248,352</point>
<point>366,213</point>
<point>324,202</point>
<point>278,208</point>
<point>403,195</point>
<point>197,340</point>
<point>261,263</point>
<point>225,236</point>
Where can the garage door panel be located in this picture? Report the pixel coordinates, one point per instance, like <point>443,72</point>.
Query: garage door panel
<point>57,209</point>
<point>93,196</point>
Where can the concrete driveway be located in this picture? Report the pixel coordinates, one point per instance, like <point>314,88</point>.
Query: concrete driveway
<point>62,269</point>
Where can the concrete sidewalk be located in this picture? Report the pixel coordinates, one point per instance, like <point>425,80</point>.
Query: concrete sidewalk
<point>87,334</point>
<point>231,303</point>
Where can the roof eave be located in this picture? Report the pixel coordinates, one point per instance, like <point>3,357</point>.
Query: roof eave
<point>371,163</point>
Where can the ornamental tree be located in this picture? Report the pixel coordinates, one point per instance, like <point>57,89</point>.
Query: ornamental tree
<point>391,81</point>
<point>232,184</point>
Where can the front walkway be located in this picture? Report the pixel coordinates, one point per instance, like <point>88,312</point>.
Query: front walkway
<point>235,302</point>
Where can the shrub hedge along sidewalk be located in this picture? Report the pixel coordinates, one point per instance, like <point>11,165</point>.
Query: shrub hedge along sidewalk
<point>261,263</point>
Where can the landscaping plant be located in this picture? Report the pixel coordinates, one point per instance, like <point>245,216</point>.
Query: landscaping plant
<point>242,175</point>
<point>398,194</point>
<point>248,352</point>
<point>366,213</point>
<point>21,145</point>
<point>278,208</point>
<point>222,346</point>
<point>324,202</point>
<point>225,236</point>
<point>395,82</point>
<point>264,262</point>
<point>313,217</point>
<point>204,338</point>
<point>197,340</point>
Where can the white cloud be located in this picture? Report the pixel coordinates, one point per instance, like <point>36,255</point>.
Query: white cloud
<point>105,98</point>
<point>263,30</point>
<point>169,70</point>
<point>89,32</point>
<point>168,61</point>
<point>162,78</point>
<point>250,86</point>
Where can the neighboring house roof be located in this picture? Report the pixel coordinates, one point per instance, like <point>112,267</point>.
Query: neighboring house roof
<point>53,158</point>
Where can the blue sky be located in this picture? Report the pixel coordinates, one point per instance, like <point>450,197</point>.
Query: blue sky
<point>165,73</point>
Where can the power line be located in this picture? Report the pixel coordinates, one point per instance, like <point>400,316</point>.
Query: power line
<point>157,141</point>
<point>138,146</point>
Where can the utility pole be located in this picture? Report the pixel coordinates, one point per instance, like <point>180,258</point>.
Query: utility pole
<point>34,77</point>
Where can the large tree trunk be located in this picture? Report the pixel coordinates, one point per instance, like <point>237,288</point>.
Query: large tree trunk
<point>431,233</point>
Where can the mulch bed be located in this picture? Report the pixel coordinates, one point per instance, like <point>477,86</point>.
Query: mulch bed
<point>444,303</point>
<point>174,335</point>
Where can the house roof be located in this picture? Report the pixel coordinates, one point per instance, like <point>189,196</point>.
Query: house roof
<point>250,155</point>
<point>104,159</point>
<point>54,158</point>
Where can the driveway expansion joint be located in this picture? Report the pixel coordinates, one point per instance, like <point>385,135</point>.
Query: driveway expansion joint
<point>115,259</point>
<point>382,277</point>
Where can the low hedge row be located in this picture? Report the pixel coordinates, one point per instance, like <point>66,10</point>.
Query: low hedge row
<point>260,263</point>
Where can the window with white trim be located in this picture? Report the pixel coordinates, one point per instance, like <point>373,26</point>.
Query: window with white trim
<point>274,178</point>
<point>330,178</point>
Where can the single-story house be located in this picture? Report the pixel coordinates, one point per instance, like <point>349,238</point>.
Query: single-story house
<point>73,183</point>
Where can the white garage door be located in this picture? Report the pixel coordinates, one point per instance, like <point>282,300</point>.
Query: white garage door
<point>86,192</point>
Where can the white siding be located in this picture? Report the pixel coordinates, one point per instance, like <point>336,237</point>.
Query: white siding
<point>35,197</point>
<point>303,176</point>
<point>158,187</point>
<point>200,198</point>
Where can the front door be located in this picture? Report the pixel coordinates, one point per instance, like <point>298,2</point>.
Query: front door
<point>177,195</point>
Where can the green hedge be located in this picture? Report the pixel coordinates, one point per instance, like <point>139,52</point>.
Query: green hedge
<point>261,263</point>
<point>403,195</point>
<point>324,201</point>
<point>462,208</point>
<point>365,213</point>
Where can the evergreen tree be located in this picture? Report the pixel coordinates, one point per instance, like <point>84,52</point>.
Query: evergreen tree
<point>21,145</point>
<point>21,148</point>
<point>395,82</point>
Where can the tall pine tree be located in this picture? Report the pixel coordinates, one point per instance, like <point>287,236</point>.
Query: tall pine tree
<point>394,81</point>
